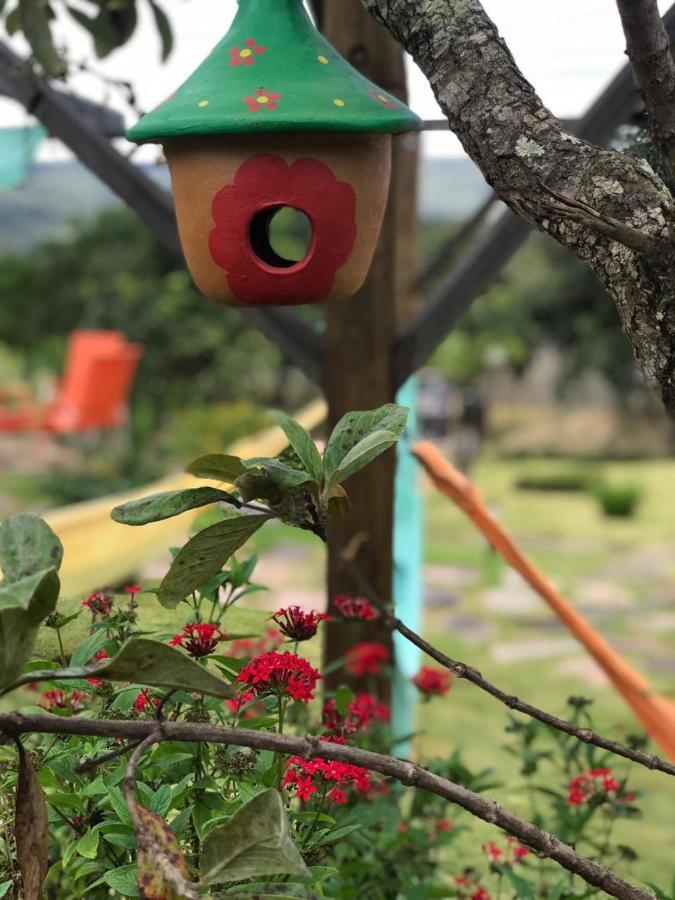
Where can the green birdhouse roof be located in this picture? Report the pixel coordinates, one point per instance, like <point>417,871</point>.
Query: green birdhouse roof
<point>273,71</point>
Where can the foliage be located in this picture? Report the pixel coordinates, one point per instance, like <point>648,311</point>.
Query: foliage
<point>617,500</point>
<point>563,480</point>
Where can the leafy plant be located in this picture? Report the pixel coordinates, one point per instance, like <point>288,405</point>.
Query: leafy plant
<point>618,500</point>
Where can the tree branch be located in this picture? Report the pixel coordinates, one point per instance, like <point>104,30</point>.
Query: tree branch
<point>520,146</point>
<point>462,670</point>
<point>545,844</point>
<point>649,50</point>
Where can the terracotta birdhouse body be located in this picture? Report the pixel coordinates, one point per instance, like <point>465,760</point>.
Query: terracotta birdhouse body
<point>275,119</point>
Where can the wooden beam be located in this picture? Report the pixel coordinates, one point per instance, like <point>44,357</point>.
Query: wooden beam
<point>617,104</point>
<point>63,117</point>
<point>359,336</point>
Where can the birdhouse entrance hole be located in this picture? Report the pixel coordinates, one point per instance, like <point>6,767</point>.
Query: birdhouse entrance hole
<point>281,236</point>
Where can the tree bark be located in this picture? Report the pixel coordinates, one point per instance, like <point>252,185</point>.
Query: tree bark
<point>649,50</point>
<point>610,209</point>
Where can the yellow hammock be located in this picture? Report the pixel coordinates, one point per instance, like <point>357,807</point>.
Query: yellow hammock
<point>655,712</point>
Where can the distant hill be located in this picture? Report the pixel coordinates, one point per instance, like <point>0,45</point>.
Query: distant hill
<point>57,195</point>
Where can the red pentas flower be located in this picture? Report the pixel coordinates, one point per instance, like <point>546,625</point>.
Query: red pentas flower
<point>132,589</point>
<point>97,682</point>
<point>282,674</point>
<point>297,624</point>
<point>306,777</point>
<point>99,604</point>
<point>470,889</point>
<point>144,699</point>
<point>363,710</point>
<point>356,609</point>
<point>198,639</point>
<point>596,784</point>
<point>508,854</point>
<point>432,682</point>
<point>263,183</point>
<point>366,658</point>
<point>58,701</point>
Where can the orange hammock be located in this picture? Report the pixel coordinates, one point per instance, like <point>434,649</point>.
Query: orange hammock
<point>655,712</point>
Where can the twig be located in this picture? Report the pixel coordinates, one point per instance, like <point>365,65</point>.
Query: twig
<point>545,844</point>
<point>461,670</point>
<point>90,764</point>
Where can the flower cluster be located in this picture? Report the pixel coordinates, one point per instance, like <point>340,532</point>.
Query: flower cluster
<point>144,699</point>
<point>471,889</point>
<point>432,682</point>
<point>198,639</point>
<point>355,609</point>
<point>363,710</point>
<point>306,777</point>
<point>365,658</point>
<point>281,674</point>
<point>596,784</point>
<point>99,604</point>
<point>248,648</point>
<point>58,701</point>
<point>297,624</point>
<point>101,655</point>
<point>508,854</point>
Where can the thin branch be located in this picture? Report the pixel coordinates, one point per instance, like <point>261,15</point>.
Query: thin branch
<point>649,49</point>
<point>545,844</point>
<point>462,670</point>
<point>88,765</point>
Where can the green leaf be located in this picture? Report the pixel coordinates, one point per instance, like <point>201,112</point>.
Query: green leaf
<point>88,649</point>
<point>279,473</point>
<point>157,507</point>
<point>355,426</point>
<point>343,698</point>
<point>363,453</point>
<point>255,842</point>
<point>164,28</point>
<point>262,891</point>
<point>146,662</point>
<point>87,845</point>
<point>217,466</point>
<point>123,880</point>
<point>34,15</point>
<point>301,441</point>
<point>28,545</point>
<point>204,555</point>
<point>23,607</point>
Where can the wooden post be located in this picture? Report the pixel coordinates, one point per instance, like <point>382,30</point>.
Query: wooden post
<point>361,333</point>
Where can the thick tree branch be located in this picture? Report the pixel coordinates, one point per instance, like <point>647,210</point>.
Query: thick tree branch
<point>649,50</point>
<point>521,147</point>
<point>545,844</point>
<point>468,673</point>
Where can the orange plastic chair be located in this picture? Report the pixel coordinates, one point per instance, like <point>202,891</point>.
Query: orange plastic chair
<point>655,712</point>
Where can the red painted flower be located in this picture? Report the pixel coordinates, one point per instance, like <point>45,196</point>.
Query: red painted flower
<point>97,682</point>
<point>432,682</point>
<point>298,625</point>
<point>261,185</point>
<point>363,710</point>
<point>58,701</point>
<point>282,674</point>
<point>356,609</point>
<point>382,98</point>
<point>245,56</point>
<point>198,639</point>
<point>144,699</point>
<point>366,658</point>
<point>247,648</point>
<point>262,99</point>
<point>596,784</point>
<point>99,604</point>
<point>306,777</point>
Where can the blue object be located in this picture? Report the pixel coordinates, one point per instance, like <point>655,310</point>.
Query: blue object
<point>408,573</point>
<point>17,147</point>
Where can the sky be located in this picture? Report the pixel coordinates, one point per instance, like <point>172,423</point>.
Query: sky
<point>569,50</point>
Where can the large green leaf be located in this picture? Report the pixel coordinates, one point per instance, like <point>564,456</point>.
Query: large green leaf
<point>157,507</point>
<point>204,555</point>
<point>255,842</point>
<point>147,662</point>
<point>355,426</point>
<point>301,441</point>
<point>361,454</point>
<point>34,15</point>
<point>24,605</point>
<point>280,474</point>
<point>28,545</point>
<point>217,466</point>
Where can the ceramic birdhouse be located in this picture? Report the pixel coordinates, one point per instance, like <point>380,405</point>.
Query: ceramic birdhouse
<point>273,119</point>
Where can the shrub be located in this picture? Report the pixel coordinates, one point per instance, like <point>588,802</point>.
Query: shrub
<point>618,500</point>
<point>571,480</point>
